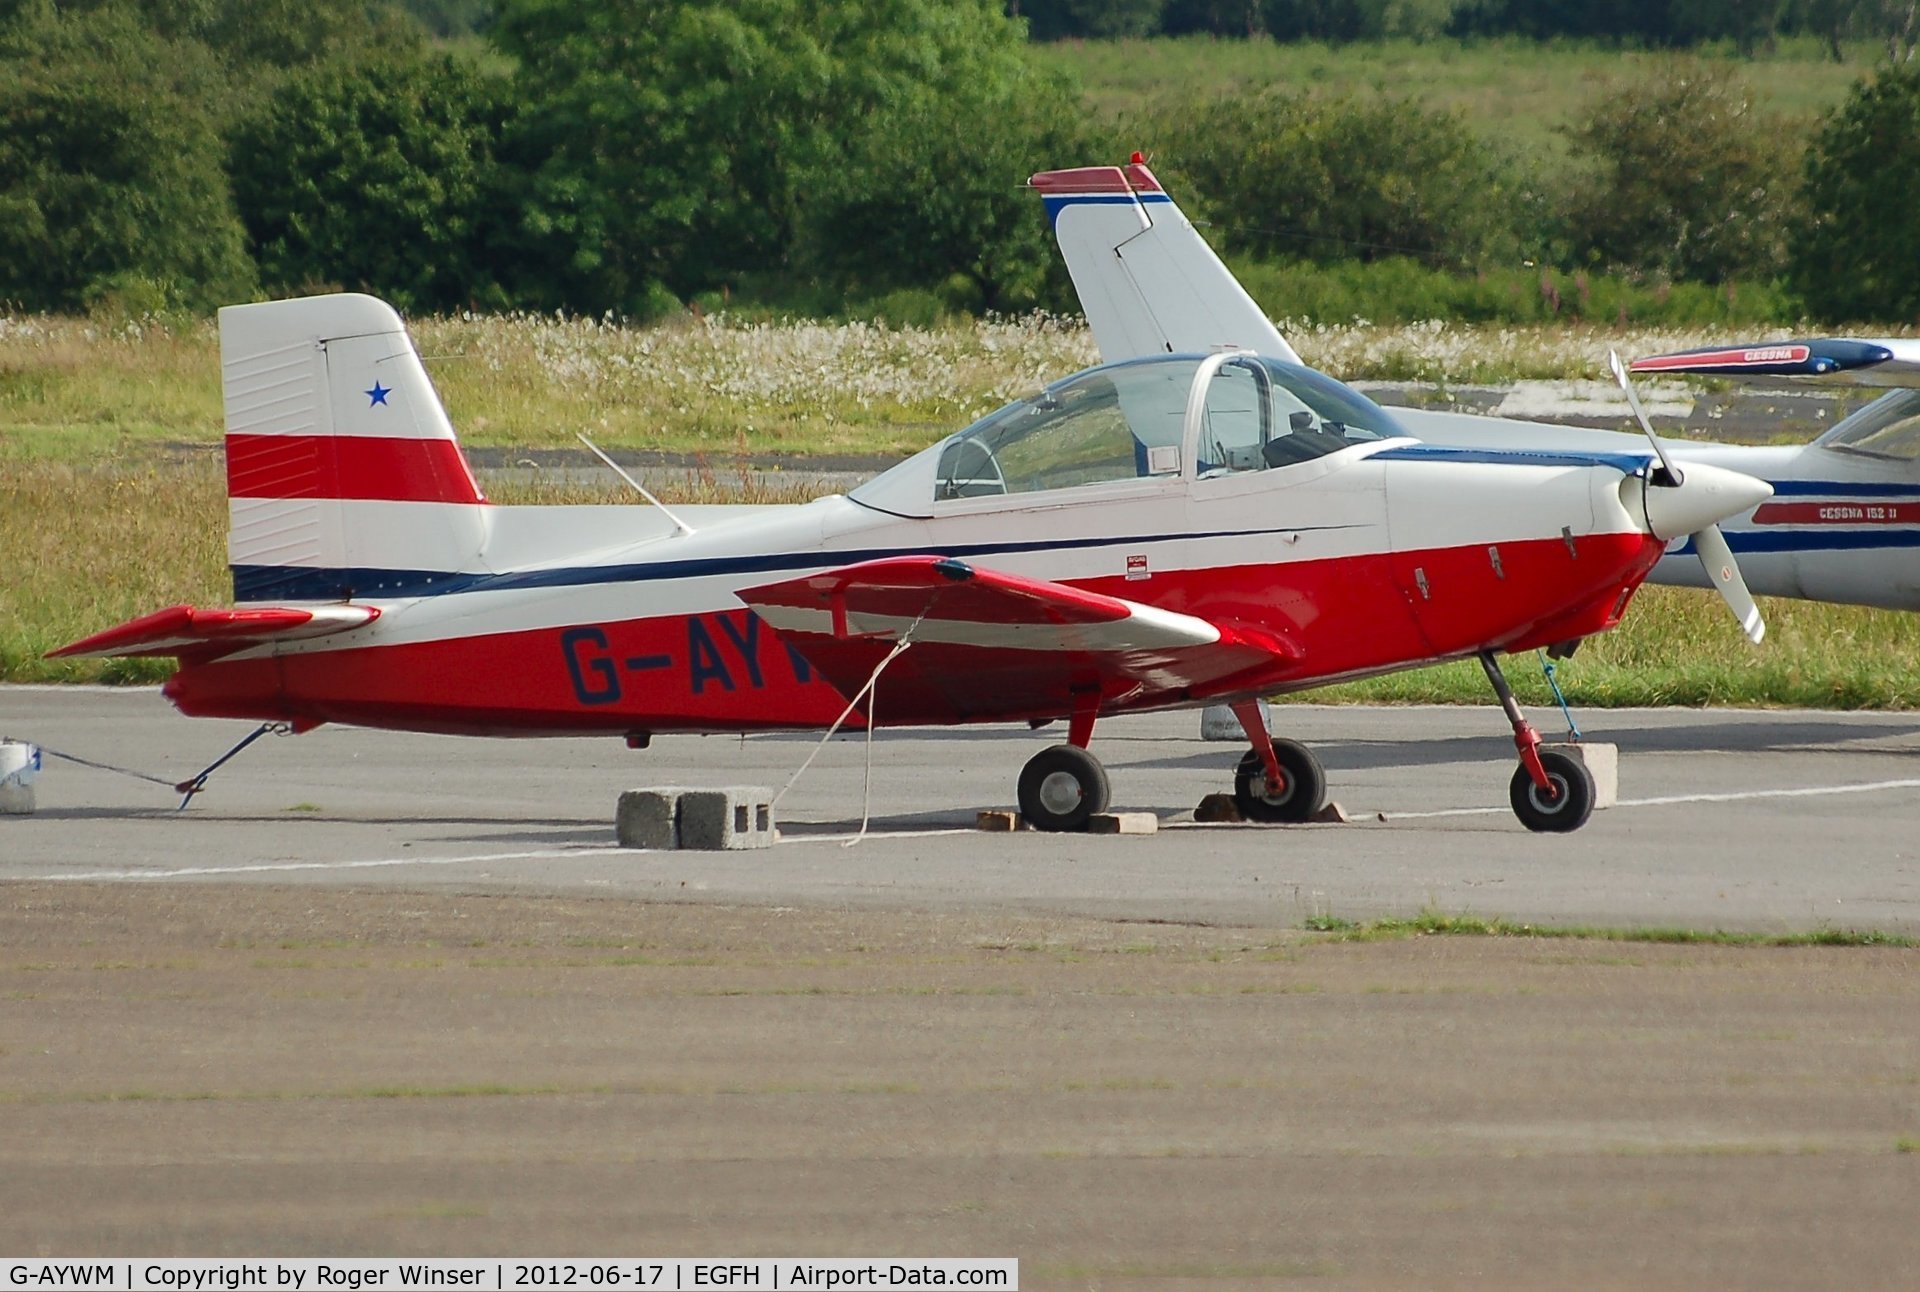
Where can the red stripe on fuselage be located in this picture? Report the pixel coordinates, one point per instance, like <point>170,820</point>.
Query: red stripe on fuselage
<point>364,467</point>
<point>1850,512</point>
<point>728,671</point>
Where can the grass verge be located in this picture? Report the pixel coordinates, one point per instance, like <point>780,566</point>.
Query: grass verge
<point>1436,924</point>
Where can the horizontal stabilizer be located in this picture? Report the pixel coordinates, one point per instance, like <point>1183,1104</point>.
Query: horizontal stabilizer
<point>992,646</point>
<point>191,633</point>
<point>1829,360</point>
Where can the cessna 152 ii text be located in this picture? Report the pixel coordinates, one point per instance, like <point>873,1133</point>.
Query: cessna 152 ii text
<point>1843,523</point>
<point>1166,532</point>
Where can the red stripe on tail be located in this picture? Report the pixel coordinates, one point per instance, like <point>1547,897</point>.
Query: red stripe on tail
<point>349,466</point>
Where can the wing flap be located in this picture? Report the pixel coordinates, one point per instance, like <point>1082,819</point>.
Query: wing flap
<point>193,633</point>
<point>991,645</point>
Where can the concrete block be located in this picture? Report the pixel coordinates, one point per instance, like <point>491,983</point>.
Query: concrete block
<point>1602,762</point>
<point>735,817</point>
<point>1123,823</point>
<point>1218,723</point>
<point>1217,807</point>
<point>997,822</point>
<point>648,818</point>
<point>19,764</point>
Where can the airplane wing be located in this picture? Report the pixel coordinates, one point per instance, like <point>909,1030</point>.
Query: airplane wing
<point>191,633</point>
<point>1836,361</point>
<point>992,646</point>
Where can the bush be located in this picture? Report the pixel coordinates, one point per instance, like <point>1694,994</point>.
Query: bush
<point>1857,245</point>
<point>1687,180</point>
<point>111,183</point>
<point>1098,19</point>
<point>677,141</point>
<point>1298,176</point>
<point>1404,291</point>
<point>379,177</point>
<point>931,197</point>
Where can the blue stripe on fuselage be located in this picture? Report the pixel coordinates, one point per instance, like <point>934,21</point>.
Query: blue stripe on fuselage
<point>1782,539</point>
<point>1843,489</point>
<point>1625,463</point>
<point>304,583</point>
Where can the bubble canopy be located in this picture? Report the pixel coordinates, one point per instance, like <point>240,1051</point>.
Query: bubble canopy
<point>1888,428</point>
<point>1174,416</point>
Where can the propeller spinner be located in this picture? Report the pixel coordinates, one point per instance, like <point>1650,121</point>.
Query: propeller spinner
<point>1675,501</point>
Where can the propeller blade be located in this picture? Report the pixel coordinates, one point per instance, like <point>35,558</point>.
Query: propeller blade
<point>1640,414</point>
<point>1724,574</point>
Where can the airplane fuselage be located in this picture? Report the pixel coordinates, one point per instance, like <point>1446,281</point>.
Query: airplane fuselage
<point>1839,527</point>
<point>1371,559</point>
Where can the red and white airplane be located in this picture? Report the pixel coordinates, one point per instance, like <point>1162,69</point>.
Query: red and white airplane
<point>1843,523</point>
<point>1167,532</point>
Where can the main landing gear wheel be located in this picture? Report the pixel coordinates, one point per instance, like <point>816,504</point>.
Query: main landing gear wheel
<point>1304,794</point>
<point>1567,808</point>
<point>1061,786</point>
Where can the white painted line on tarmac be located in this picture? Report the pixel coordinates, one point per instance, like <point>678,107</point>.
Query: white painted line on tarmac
<point>282,867</point>
<point>871,835</point>
<point>263,867</point>
<point>1737,796</point>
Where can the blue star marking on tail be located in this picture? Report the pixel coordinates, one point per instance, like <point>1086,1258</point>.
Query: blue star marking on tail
<point>378,395</point>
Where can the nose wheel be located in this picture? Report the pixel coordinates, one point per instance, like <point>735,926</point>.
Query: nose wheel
<point>1551,793</point>
<point>1061,786</point>
<point>1277,780</point>
<point>1301,791</point>
<point>1566,805</point>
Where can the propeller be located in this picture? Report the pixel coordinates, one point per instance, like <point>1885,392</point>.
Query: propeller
<point>1709,544</point>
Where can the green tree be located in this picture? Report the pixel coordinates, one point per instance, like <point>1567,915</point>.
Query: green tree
<point>933,198</point>
<point>251,36</point>
<point>378,176</point>
<point>1328,178</point>
<point>675,141</point>
<point>1217,17</point>
<point>110,169</point>
<point>1684,179</point>
<point>1096,19</point>
<point>1751,25</point>
<point>1345,20</point>
<point>1857,244</point>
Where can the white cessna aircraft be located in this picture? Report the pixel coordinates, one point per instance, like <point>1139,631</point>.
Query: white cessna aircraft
<point>1843,523</point>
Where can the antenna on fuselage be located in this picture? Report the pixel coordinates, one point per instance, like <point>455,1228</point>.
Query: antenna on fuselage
<point>637,486</point>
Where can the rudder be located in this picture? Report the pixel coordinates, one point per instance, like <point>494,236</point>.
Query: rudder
<point>1148,282</point>
<point>344,478</point>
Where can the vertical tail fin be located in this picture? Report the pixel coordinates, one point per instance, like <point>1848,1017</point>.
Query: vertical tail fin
<point>1148,282</point>
<point>343,475</point>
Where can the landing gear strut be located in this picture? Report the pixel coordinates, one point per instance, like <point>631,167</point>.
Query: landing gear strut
<point>1277,780</point>
<point>1551,792</point>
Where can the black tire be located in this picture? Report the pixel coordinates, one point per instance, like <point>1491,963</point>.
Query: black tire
<point>1061,786</point>
<point>1568,810</point>
<point>1305,793</point>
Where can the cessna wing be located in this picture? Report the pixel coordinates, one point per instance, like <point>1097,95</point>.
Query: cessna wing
<point>1835,361</point>
<point>992,646</point>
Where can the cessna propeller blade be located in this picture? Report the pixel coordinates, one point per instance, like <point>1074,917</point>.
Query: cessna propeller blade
<point>1709,544</point>
<point>1717,557</point>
